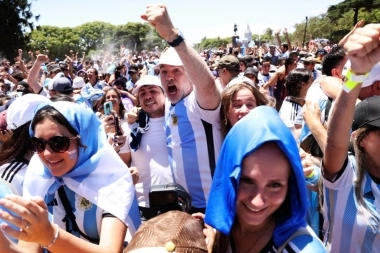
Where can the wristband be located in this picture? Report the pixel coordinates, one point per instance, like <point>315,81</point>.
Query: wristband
<point>178,40</point>
<point>353,80</point>
<point>55,238</point>
<point>311,175</point>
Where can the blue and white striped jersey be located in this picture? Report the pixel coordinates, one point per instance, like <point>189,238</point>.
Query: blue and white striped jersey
<point>194,140</point>
<point>345,228</point>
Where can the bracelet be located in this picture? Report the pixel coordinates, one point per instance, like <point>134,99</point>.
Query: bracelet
<point>55,238</point>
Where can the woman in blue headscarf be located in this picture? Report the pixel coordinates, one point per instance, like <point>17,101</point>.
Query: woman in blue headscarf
<point>258,201</point>
<point>80,182</point>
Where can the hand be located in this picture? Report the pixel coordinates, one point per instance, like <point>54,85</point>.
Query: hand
<point>278,32</point>
<point>20,52</point>
<point>42,58</point>
<point>32,219</point>
<point>311,113</point>
<point>360,23</point>
<point>133,115</point>
<point>68,58</point>
<point>362,48</point>
<point>158,17</point>
<point>134,174</point>
<point>307,163</point>
<point>285,31</point>
<point>108,123</point>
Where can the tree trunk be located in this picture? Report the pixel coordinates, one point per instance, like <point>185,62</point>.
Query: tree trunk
<point>356,13</point>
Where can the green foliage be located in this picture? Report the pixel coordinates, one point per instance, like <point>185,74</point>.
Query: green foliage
<point>94,37</point>
<point>213,43</point>
<point>336,12</point>
<point>15,20</point>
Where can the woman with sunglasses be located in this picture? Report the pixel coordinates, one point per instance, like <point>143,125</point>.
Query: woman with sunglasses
<point>78,180</point>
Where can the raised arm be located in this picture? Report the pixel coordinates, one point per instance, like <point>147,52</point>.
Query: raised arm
<point>363,50</point>
<point>34,73</point>
<point>288,39</point>
<point>197,70</point>
<point>278,37</point>
<point>345,38</point>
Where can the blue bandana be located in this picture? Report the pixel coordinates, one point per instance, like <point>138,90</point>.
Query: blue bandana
<point>260,126</point>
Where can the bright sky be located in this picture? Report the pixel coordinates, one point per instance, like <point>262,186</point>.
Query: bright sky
<point>195,18</point>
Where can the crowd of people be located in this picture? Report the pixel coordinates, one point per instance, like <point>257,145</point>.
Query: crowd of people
<point>273,149</point>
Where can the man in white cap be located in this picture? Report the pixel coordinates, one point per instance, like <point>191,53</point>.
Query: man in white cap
<point>147,149</point>
<point>192,120</point>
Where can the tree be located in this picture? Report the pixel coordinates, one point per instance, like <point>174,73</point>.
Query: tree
<point>335,12</point>
<point>15,20</point>
<point>58,41</point>
<point>213,43</point>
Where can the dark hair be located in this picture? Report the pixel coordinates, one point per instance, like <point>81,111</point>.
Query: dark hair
<point>294,80</point>
<point>18,76</point>
<point>96,74</point>
<point>16,145</point>
<point>332,60</point>
<point>285,46</point>
<point>49,112</point>
<point>289,61</point>
<point>61,97</point>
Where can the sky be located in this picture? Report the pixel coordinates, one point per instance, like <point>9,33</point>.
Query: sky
<point>195,18</point>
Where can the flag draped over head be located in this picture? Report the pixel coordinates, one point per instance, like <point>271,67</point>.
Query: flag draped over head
<point>99,174</point>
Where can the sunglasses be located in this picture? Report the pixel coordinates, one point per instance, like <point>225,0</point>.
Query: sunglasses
<point>58,144</point>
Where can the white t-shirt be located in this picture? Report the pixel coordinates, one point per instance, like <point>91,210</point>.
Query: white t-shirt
<point>151,159</point>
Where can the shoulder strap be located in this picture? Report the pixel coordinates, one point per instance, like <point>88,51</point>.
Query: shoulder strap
<point>300,231</point>
<point>71,216</point>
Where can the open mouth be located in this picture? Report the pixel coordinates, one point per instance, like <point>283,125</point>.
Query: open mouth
<point>172,89</point>
<point>150,103</point>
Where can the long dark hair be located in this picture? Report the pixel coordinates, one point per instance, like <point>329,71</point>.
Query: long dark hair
<point>16,145</point>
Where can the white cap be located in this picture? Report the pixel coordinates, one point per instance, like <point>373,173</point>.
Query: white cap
<point>374,75</point>
<point>169,57</point>
<point>22,109</point>
<point>146,80</point>
<point>78,82</point>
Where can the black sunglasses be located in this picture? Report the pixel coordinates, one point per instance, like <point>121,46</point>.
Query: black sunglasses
<point>59,144</point>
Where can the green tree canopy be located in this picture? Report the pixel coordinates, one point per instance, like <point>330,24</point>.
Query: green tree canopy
<point>336,12</point>
<point>94,37</point>
<point>15,21</point>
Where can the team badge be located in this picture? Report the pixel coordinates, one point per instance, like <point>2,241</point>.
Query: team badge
<point>84,204</point>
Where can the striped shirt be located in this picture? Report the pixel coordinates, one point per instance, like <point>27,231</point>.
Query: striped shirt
<point>194,140</point>
<point>345,229</point>
<point>14,172</point>
<point>289,110</point>
<point>305,243</point>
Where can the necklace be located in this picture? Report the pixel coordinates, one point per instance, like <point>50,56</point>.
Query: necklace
<point>262,231</point>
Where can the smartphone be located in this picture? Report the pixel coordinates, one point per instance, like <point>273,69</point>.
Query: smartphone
<point>117,126</point>
<point>107,108</point>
